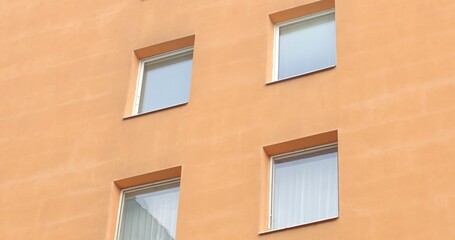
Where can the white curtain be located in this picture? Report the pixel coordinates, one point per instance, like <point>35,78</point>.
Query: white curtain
<point>307,46</point>
<point>305,189</point>
<point>150,216</point>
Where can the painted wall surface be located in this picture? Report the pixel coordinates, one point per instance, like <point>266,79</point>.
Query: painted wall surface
<point>65,67</point>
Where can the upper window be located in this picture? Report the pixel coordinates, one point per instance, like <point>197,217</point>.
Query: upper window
<point>150,212</point>
<point>305,45</point>
<point>304,187</point>
<point>163,81</point>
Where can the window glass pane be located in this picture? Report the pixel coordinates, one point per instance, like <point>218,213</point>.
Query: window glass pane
<point>305,189</point>
<point>307,46</point>
<point>166,82</point>
<point>150,214</point>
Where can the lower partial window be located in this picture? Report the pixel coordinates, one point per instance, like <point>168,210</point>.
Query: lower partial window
<point>304,187</point>
<point>150,212</point>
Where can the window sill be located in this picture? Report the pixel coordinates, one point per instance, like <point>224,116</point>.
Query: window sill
<point>301,75</point>
<point>154,111</point>
<point>297,226</point>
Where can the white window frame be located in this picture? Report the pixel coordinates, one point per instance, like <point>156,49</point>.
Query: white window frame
<point>140,76</point>
<point>272,176</point>
<point>143,187</point>
<point>276,46</point>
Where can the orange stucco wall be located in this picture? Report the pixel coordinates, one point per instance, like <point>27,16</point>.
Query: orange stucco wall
<point>65,69</point>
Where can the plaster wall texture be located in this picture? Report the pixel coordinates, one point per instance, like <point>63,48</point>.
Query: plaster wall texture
<point>65,67</point>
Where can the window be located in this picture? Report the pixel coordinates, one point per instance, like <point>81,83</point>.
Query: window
<point>304,187</point>
<point>163,81</point>
<point>305,45</point>
<point>149,212</point>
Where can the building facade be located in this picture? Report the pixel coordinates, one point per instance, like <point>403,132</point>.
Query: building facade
<point>212,120</point>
